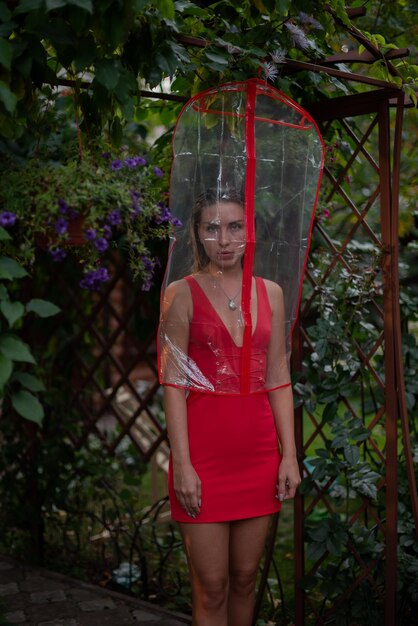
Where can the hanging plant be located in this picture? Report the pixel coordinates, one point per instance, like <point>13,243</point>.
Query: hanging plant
<point>85,205</point>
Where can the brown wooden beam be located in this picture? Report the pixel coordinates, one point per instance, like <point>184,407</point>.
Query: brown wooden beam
<point>365,57</point>
<point>350,106</point>
<point>351,76</point>
<point>355,12</point>
<point>362,39</point>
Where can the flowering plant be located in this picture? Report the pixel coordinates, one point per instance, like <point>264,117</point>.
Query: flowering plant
<point>113,201</point>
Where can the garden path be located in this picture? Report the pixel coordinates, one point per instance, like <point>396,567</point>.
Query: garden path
<point>32,596</point>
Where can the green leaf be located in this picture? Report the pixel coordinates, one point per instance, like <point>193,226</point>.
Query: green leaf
<point>14,349</point>
<point>5,53</point>
<point>4,235</point>
<point>107,73</point>
<point>217,58</point>
<point>86,53</point>
<point>4,294</point>
<point>55,4</point>
<point>282,7</point>
<point>8,98</point>
<point>5,14</point>
<point>87,5</point>
<point>315,551</point>
<point>43,308</point>
<point>12,311</point>
<point>28,406</point>
<point>116,131</point>
<point>25,6</point>
<point>29,381</point>
<point>165,7</point>
<point>6,368</point>
<point>10,269</point>
<point>319,533</point>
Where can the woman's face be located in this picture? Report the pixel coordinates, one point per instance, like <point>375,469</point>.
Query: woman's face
<point>222,233</point>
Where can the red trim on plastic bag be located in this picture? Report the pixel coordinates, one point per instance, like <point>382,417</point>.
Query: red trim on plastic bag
<point>250,238</point>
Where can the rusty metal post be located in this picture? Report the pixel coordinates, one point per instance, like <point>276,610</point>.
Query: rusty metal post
<point>390,279</point>
<point>406,437</point>
<point>298,506</point>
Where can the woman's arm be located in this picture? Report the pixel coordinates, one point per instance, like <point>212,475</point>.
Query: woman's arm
<point>186,482</point>
<point>281,400</point>
<point>176,313</point>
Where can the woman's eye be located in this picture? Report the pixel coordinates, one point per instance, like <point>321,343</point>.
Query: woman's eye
<point>212,228</point>
<point>236,226</point>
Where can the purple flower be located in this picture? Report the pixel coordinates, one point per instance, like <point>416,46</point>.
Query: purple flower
<point>140,160</point>
<point>61,226</point>
<point>63,206</point>
<point>146,285</point>
<point>101,244</point>
<point>72,214</point>
<point>94,278</point>
<point>7,218</point>
<point>131,163</point>
<point>102,274</point>
<point>116,165</point>
<point>148,264</point>
<point>91,234</point>
<point>134,194</point>
<point>176,222</point>
<point>165,216</point>
<point>114,217</point>
<point>57,254</point>
<point>106,155</point>
<point>107,232</point>
<point>158,172</point>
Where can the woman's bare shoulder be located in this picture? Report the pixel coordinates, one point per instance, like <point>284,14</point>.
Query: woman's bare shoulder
<point>177,287</point>
<point>273,289</point>
<point>177,297</point>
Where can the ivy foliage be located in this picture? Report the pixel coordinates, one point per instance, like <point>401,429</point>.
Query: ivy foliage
<point>106,51</point>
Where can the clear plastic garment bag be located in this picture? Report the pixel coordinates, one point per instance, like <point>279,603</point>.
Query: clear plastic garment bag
<point>247,165</point>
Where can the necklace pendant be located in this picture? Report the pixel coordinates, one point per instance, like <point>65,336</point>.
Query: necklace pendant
<point>232,306</point>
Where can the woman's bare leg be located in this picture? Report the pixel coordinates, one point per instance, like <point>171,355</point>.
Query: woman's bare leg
<point>246,543</point>
<point>207,546</point>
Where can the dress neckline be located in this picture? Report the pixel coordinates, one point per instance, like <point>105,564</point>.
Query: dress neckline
<point>220,318</point>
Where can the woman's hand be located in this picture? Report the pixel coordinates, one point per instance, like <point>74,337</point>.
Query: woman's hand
<point>288,478</point>
<point>187,486</point>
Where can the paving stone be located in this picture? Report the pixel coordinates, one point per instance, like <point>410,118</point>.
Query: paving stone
<point>35,582</point>
<point>121,617</point>
<point>145,616</point>
<point>61,622</point>
<point>51,611</point>
<point>35,597</point>
<point>43,597</point>
<point>11,574</point>
<point>8,589</point>
<point>98,604</point>
<point>15,617</point>
<point>4,565</point>
<point>80,595</point>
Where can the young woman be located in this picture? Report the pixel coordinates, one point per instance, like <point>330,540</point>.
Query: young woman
<point>233,456</point>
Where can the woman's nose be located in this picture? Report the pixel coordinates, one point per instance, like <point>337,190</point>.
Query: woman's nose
<point>223,237</point>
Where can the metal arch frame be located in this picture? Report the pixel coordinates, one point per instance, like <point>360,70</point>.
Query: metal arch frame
<point>394,388</point>
<point>379,100</point>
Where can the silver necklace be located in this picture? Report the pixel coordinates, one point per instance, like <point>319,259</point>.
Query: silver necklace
<point>232,305</point>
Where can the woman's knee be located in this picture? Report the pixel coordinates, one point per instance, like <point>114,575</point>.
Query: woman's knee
<point>242,581</point>
<point>211,593</point>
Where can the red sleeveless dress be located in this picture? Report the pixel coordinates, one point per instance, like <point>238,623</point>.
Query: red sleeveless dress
<point>232,438</point>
